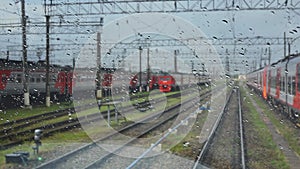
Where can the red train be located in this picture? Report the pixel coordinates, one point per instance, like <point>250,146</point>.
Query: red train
<point>11,78</point>
<point>160,80</point>
<point>280,84</point>
<point>166,83</point>
<point>62,80</point>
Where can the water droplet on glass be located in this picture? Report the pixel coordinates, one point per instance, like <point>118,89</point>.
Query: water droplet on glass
<point>225,21</point>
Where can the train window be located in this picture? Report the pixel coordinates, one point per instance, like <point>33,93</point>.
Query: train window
<point>273,82</point>
<point>4,78</point>
<point>270,79</point>
<point>38,80</point>
<point>282,86</point>
<point>289,86</point>
<point>298,76</point>
<point>278,78</point>
<point>19,78</point>
<point>32,79</point>
<point>53,78</point>
<point>293,85</point>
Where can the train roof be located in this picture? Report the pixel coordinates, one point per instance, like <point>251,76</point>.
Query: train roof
<point>18,64</point>
<point>287,58</point>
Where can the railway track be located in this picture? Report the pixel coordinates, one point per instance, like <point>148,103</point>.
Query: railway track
<point>93,156</point>
<point>16,132</point>
<point>225,145</point>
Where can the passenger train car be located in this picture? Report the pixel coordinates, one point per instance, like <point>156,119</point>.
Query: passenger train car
<point>11,78</point>
<point>62,80</point>
<point>280,84</point>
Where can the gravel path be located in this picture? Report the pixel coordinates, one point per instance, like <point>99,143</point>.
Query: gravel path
<point>291,156</point>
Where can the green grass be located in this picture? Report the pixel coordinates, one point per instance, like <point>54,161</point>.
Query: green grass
<point>19,113</point>
<point>48,144</point>
<point>262,151</point>
<point>290,134</point>
<point>63,138</point>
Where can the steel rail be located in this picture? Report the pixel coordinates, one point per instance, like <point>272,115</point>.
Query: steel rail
<point>212,133</point>
<point>51,163</point>
<point>241,132</point>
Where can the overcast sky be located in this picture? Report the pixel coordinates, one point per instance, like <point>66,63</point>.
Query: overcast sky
<point>213,24</point>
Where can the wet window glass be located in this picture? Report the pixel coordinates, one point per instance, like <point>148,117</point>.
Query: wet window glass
<point>149,83</point>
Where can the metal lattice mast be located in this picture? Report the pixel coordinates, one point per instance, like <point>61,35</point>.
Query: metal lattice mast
<point>93,7</point>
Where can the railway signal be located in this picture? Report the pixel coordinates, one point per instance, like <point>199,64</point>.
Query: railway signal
<point>37,140</point>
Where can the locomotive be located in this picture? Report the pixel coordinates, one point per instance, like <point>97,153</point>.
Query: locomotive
<point>279,83</point>
<point>165,81</point>
<point>153,80</point>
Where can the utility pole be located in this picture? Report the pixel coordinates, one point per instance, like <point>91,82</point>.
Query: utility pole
<point>47,61</point>
<point>260,60</point>
<point>284,45</point>
<point>98,76</point>
<point>47,86</point>
<point>140,71</point>
<point>175,60</point>
<point>24,63</point>
<point>7,55</point>
<point>269,58</point>
<point>148,69</point>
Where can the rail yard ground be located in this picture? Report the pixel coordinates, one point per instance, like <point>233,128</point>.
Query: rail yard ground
<point>262,150</point>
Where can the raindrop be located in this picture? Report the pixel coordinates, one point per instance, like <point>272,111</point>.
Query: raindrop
<point>9,30</point>
<point>273,12</point>
<point>250,29</point>
<point>225,21</point>
<point>57,38</point>
<point>215,37</point>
